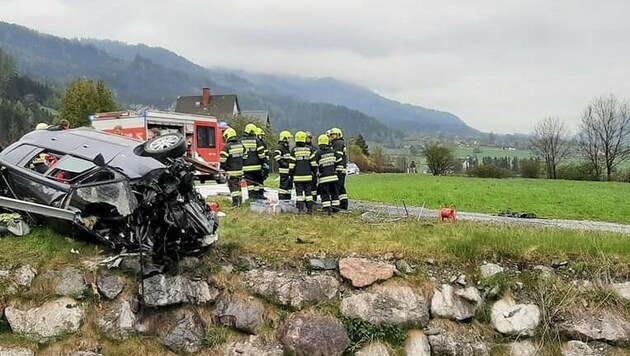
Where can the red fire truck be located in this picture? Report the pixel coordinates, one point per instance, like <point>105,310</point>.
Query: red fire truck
<point>204,134</point>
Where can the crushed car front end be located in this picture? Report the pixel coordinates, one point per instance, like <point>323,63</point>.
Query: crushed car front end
<point>119,195</point>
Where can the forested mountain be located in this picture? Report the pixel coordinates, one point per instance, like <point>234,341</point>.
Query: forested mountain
<point>23,102</point>
<point>139,74</point>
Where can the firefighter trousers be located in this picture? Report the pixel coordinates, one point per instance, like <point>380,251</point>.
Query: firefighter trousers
<point>254,185</point>
<point>284,189</point>
<point>234,185</point>
<point>304,198</point>
<point>330,197</point>
<point>343,195</point>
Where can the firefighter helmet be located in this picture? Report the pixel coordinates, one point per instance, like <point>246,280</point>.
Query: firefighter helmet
<point>284,135</point>
<point>336,131</point>
<point>300,136</point>
<point>323,140</point>
<point>41,126</point>
<point>261,132</point>
<point>229,133</point>
<point>251,129</point>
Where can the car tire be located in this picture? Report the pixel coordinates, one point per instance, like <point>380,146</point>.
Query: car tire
<point>170,145</point>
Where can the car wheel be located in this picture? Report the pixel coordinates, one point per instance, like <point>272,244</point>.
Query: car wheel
<point>171,145</point>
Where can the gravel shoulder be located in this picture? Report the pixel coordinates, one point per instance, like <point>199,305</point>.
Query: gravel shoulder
<point>584,225</point>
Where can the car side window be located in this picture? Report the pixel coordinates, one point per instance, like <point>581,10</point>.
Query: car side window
<point>20,154</point>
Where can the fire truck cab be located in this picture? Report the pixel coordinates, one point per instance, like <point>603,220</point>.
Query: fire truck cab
<point>204,134</point>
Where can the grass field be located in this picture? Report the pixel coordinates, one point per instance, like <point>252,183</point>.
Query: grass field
<point>605,201</point>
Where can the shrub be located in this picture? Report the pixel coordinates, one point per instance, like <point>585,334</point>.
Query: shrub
<point>489,171</point>
<point>577,171</point>
<point>530,168</point>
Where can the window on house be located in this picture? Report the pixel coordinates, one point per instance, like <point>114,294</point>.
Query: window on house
<point>206,137</point>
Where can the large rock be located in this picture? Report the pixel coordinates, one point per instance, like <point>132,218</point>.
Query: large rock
<point>417,344</point>
<point>292,289</point>
<point>510,318</point>
<point>455,303</point>
<point>323,264</point>
<point>622,290</point>
<point>523,348</point>
<point>161,290</point>
<point>24,276</point>
<point>48,321</point>
<point>118,321</point>
<point>456,340</point>
<point>373,349</point>
<point>455,345</point>
<point>71,283</point>
<point>363,272</point>
<point>187,334</point>
<point>579,348</point>
<point>307,334</point>
<point>242,313</point>
<point>18,279</point>
<point>490,269</point>
<point>254,346</point>
<point>15,351</point>
<point>387,304</point>
<point>603,325</point>
<point>110,285</point>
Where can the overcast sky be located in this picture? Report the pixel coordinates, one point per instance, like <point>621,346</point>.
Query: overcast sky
<point>500,65</point>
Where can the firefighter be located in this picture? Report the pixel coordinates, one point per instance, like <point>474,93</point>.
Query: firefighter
<point>309,142</point>
<point>232,157</point>
<point>302,168</point>
<point>265,169</point>
<point>283,156</point>
<point>339,146</point>
<point>327,160</point>
<point>254,162</point>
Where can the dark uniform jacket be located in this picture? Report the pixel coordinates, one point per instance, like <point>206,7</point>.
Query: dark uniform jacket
<point>283,156</point>
<point>232,157</point>
<point>303,166</point>
<point>327,160</point>
<point>256,153</point>
<point>340,148</point>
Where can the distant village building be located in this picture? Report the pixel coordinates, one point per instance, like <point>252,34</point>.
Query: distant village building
<point>223,107</point>
<point>259,117</point>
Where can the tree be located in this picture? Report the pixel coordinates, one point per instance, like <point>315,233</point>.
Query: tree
<point>83,98</point>
<point>440,159</point>
<point>604,133</point>
<point>379,159</point>
<point>365,149</point>
<point>550,143</point>
<point>530,168</point>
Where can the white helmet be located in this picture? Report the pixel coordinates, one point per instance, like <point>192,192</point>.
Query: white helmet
<point>41,126</point>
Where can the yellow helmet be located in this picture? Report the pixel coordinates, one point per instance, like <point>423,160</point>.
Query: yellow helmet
<point>336,131</point>
<point>261,132</point>
<point>284,135</point>
<point>323,140</point>
<point>41,158</point>
<point>41,126</point>
<point>229,133</point>
<point>300,136</point>
<point>251,129</point>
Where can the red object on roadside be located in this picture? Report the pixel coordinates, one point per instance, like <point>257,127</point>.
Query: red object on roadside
<point>214,207</point>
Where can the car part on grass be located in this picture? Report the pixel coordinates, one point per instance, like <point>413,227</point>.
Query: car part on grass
<point>14,224</point>
<point>515,214</point>
<point>111,190</point>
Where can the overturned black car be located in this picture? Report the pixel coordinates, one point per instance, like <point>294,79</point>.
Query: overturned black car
<point>125,193</point>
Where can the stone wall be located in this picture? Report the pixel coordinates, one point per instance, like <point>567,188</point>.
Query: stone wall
<point>320,306</point>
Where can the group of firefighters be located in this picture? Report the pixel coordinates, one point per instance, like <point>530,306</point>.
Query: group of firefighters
<point>313,169</point>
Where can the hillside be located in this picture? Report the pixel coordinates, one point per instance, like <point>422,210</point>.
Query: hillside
<point>137,74</point>
<point>313,90</point>
<point>23,102</point>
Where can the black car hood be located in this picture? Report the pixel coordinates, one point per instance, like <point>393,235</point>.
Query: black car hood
<point>118,151</point>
